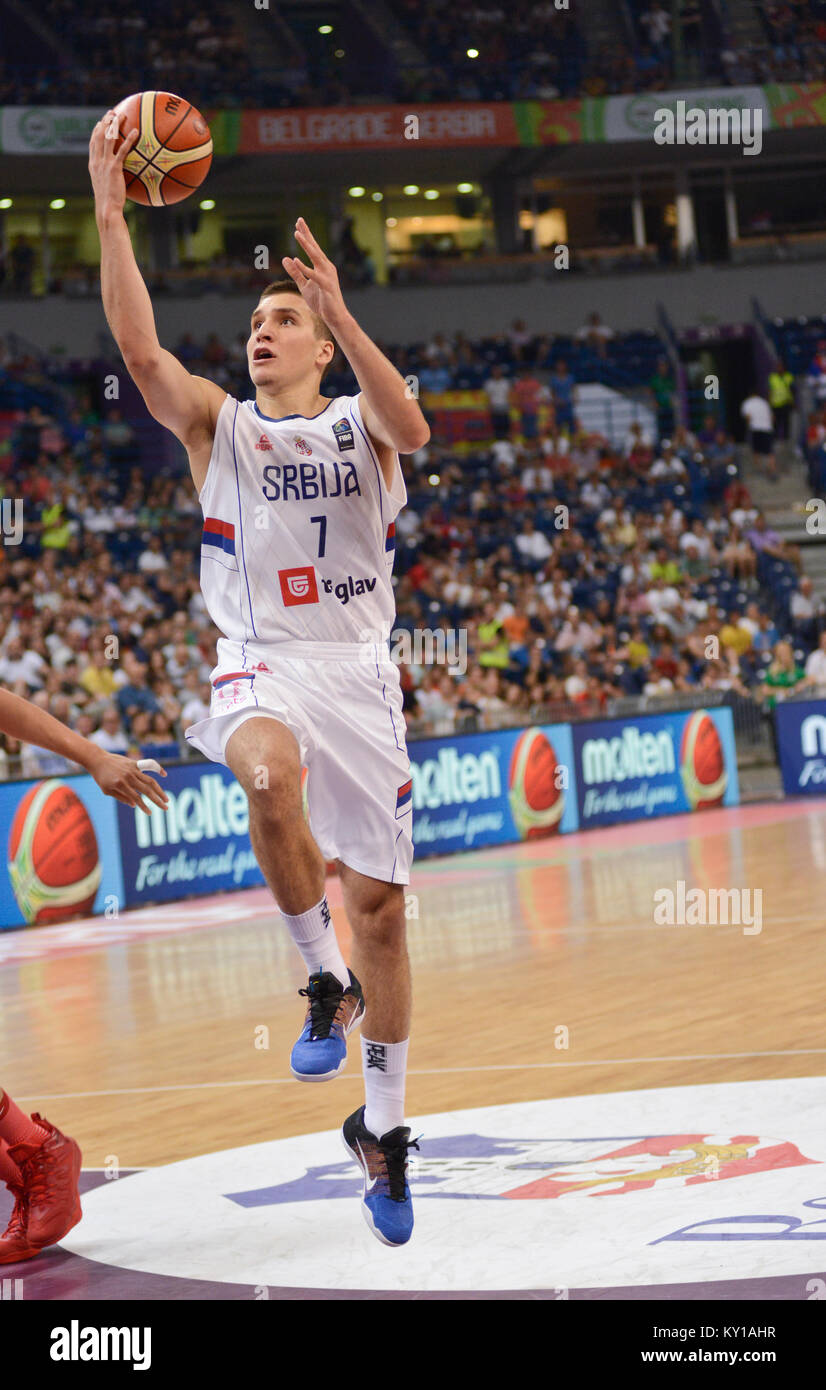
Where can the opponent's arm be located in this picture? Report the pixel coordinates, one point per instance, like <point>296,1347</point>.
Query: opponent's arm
<point>391,414</point>
<point>188,405</point>
<point>117,776</point>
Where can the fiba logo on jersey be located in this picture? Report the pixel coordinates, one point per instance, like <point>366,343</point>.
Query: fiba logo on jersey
<point>343,431</point>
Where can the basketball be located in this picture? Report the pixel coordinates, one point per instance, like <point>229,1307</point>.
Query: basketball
<point>54,861</point>
<point>173,151</point>
<point>536,801</point>
<point>702,764</point>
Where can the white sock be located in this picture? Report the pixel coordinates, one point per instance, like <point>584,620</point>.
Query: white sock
<point>385,1072</point>
<point>315,936</point>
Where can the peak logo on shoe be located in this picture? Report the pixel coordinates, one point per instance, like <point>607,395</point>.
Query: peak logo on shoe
<point>348,588</point>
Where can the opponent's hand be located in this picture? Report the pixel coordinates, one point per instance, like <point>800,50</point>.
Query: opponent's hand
<point>121,778</point>
<point>106,166</point>
<point>318,282</point>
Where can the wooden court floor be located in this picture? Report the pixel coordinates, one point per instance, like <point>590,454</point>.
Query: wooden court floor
<point>148,1050</point>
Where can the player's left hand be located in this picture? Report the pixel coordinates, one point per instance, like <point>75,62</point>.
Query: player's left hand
<point>318,282</point>
<point>122,778</point>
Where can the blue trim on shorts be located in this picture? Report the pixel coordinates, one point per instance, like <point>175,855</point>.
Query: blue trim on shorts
<point>390,708</point>
<point>395,857</point>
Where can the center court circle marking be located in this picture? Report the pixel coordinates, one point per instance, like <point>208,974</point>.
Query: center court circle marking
<point>683,1185</point>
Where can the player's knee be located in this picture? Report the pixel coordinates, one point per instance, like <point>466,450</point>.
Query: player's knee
<point>380,921</point>
<point>274,795</point>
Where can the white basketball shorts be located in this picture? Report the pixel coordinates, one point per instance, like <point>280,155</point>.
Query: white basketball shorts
<point>343,703</point>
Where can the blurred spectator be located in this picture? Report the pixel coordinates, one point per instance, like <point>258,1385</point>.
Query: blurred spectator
<point>781,397</point>
<point>663,386</point>
<point>758,416</point>
<point>528,395</point>
<point>22,265</point>
<point>816,663</point>
<point>110,735</point>
<point>595,333</point>
<point>497,388</point>
<point>563,390</point>
<point>782,674</point>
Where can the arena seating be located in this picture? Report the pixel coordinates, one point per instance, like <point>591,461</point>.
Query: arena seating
<point>525,51</point>
<point>612,604</point>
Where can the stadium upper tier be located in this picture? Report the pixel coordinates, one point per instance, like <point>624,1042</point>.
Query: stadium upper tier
<point>299,54</point>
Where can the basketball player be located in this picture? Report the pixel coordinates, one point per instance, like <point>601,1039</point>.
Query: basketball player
<point>38,1164</point>
<point>300,495</point>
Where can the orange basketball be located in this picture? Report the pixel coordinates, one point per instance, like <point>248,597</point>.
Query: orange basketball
<point>702,762</point>
<point>173,151</point>
<point>54,861</point>
<point>534,787</point>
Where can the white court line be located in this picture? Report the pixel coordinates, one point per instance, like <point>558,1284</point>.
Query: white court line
<point>428,1071</point>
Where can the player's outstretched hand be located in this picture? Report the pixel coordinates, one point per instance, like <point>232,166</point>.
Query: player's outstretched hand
<point>318,282</point>
<point>123,779</point>
<point>105,166</point>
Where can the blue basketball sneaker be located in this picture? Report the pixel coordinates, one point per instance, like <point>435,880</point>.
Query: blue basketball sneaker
<point>332,1012</point>
<point>387,1205</point>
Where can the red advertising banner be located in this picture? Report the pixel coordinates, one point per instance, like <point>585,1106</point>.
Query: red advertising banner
<point>377,127</point>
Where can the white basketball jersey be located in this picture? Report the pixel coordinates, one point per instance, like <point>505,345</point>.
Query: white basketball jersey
<point>299,527</point>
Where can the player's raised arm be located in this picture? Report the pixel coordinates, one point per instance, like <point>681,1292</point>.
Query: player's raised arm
<point>188,405</point>
<point>391,413</point>
<point>117,776</point>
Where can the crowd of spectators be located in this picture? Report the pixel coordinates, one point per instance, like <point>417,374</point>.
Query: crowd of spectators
<point>163,45</point>
<point>575,571</point>
<point>791,47</point>
<point>474,50</point>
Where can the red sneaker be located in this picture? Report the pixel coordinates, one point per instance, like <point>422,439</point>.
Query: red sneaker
<point>49,1172</point>
<point>14,1243</point>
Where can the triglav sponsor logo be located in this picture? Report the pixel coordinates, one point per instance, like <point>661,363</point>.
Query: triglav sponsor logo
<point>348,588</point>
<point>298,585</point>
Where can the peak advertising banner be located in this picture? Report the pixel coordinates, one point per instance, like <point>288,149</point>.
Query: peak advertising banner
<point>71,852</point>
